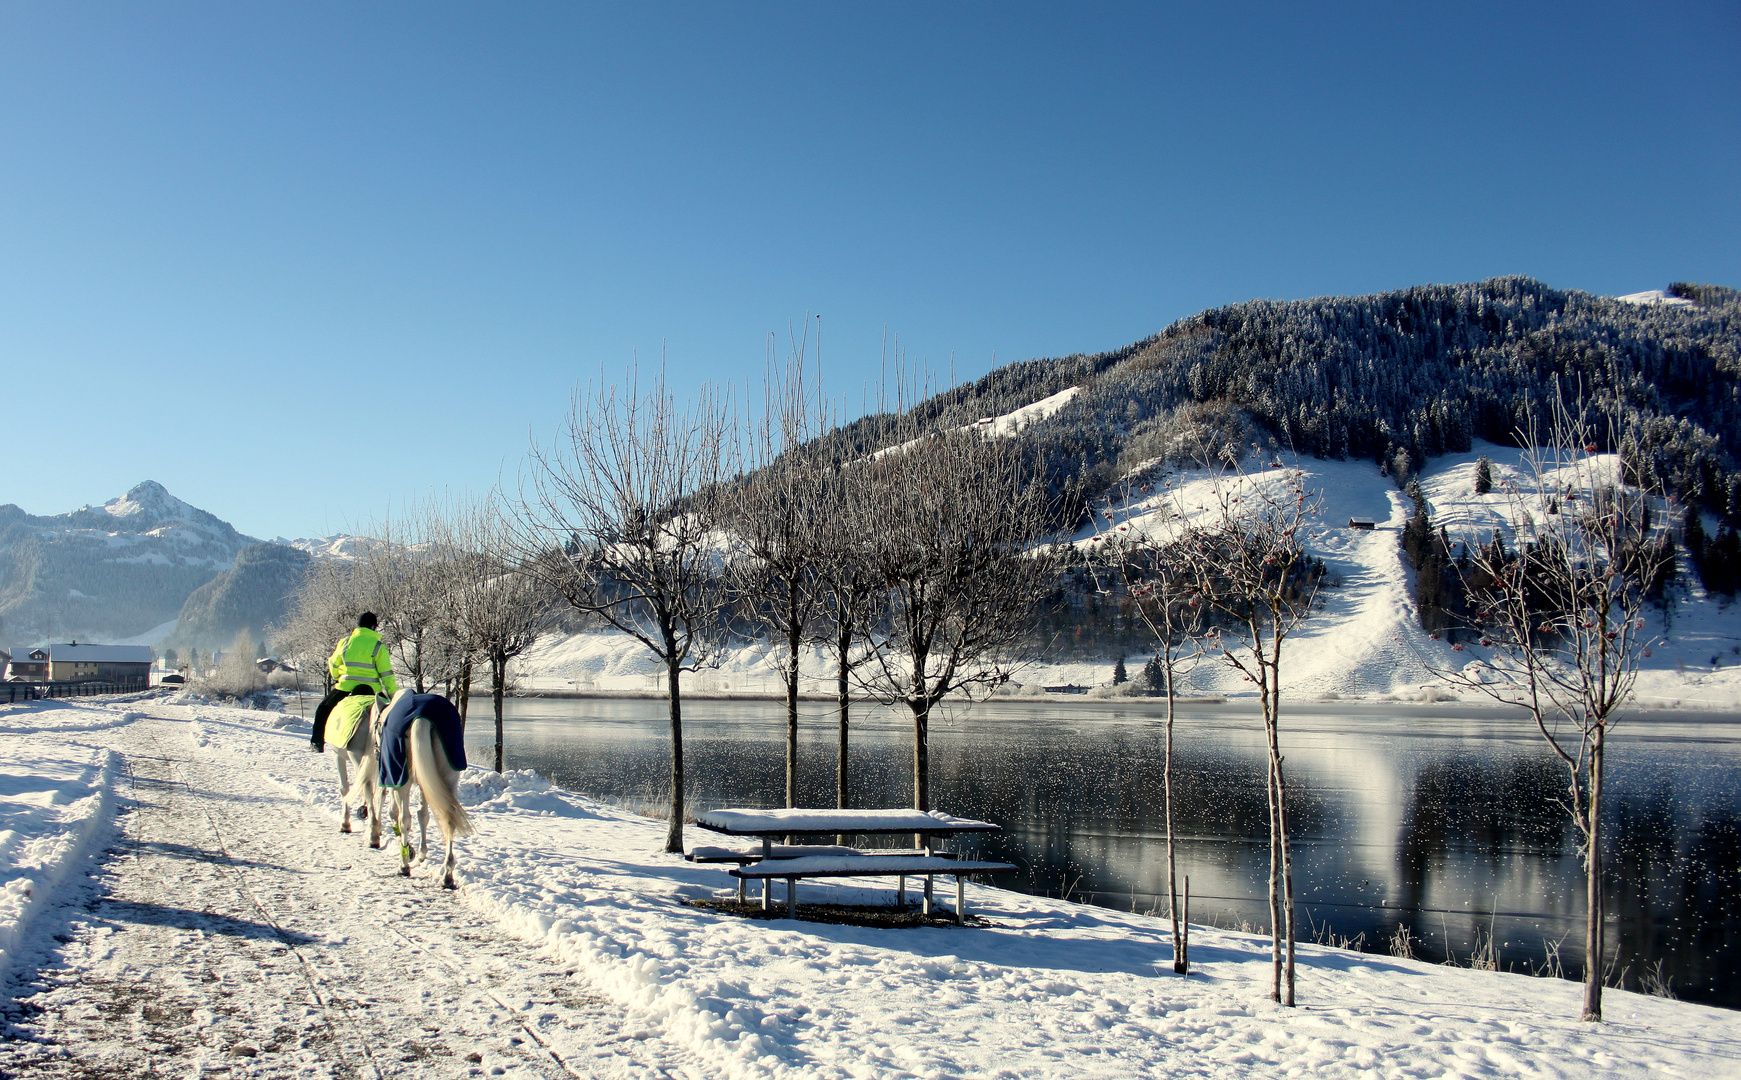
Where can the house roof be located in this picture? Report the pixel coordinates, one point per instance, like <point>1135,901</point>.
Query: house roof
<point>21,654</point>
<point>100,654</point>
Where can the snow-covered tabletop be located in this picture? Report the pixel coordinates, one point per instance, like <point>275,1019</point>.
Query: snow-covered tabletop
<point>737,822</point>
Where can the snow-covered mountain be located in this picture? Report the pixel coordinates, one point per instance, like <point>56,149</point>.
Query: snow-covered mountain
<point>118,570</point>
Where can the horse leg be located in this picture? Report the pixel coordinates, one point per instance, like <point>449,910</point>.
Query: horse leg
<point>367,769</point>
<point>344,792</point>
<point>402,825</point>
<point>423,827</point>
<point>447,867</point>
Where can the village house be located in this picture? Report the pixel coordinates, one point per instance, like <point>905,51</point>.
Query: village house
<point>75,662</point>
<point>29,665</point>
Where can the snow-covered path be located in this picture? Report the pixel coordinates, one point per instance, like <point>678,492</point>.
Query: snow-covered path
<point>237,933</point>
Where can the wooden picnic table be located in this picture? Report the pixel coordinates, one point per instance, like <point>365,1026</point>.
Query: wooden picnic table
<point>795,861</point>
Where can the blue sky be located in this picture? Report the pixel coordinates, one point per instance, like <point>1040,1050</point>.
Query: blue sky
<point>245,246</point>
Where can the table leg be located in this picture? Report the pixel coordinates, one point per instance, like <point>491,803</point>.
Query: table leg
<point>791,898</point>
<point>960,901</point>
<point>929,851</point>
<point>901,892</point>
<point>767,885</point>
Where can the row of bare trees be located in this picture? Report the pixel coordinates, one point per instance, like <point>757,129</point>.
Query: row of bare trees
<point>1224,575</point>
<point>1560,612</point>
<point>915,571</point>
<point>455,605</point>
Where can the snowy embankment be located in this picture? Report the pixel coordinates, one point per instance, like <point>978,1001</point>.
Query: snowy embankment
<point>1046,989</point>
<point>1366,644</point>
<point>57,806</point>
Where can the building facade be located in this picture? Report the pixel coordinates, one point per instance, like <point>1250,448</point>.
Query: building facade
<point>74,662</point>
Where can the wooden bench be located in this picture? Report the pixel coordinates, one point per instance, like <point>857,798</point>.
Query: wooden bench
<point>704,854</point>
<point>922,825</point>
<point>902,864</point>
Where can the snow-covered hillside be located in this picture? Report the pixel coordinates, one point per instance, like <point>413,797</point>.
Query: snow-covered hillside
<point>1366,643</point>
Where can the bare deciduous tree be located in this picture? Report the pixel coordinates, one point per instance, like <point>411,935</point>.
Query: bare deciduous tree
<point>1247,554</point>
<point>619,518</point>
<point>1563,611</point>
<point>400,577</point>
<point>323,610</point>
<point>774,517</point>
<point>492,608</point>
<point>853,597</point>
<point>953,530</point>
<point>1152,558</point>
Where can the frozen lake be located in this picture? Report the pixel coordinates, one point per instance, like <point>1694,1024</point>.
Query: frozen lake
<point>1435,818</point>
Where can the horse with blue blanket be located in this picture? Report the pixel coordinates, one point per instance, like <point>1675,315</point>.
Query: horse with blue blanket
<point>420,738</point>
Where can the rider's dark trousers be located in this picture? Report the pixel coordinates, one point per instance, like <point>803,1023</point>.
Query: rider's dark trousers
<point>321,712</point>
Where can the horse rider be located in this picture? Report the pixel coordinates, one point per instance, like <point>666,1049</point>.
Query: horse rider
<point>359,661</point>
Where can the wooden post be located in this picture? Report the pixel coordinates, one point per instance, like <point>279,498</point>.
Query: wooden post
<point>791,898</point>
<point>901,892</point>
<point>960,901</point>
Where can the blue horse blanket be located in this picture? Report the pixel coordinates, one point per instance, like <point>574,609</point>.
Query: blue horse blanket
<point>396,725</point>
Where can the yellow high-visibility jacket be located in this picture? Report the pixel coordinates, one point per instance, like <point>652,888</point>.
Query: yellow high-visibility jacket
<point>363,660</point>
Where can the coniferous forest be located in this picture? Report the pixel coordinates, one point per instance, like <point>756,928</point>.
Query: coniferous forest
<point>1393,377</point>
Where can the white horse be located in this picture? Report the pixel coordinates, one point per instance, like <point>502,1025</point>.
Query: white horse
<point>435,777</point>
<point>360,751</point>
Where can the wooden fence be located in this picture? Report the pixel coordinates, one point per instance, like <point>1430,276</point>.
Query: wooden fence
<point>35,691</point>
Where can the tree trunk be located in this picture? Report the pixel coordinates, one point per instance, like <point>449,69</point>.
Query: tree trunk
<point>921,753</point>
<point>1275,861</point>
<point>1593,885</point>
<point>843,705</point>
<point>498,677</point>
<point>793,641</point>
<point>1287,857</point>
<point>465,691</point>
<point>1180,964</point>
<point>674,831</point>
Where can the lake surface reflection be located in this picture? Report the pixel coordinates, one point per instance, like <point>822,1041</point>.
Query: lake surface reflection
<point>1436,819</point>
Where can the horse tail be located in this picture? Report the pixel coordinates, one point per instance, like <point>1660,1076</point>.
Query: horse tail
<point>439,782</point>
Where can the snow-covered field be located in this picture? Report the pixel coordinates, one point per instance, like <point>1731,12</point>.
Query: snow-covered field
<point>1367,643</point>
<point>1045,989</point>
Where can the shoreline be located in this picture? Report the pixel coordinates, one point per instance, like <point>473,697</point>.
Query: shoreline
<point>1315,705</point>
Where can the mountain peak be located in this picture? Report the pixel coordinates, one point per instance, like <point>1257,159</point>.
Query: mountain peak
<point>149,500</point>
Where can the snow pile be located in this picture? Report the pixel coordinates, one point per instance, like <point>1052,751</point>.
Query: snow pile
<point>1046,989</point>
<point>57,802</point>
